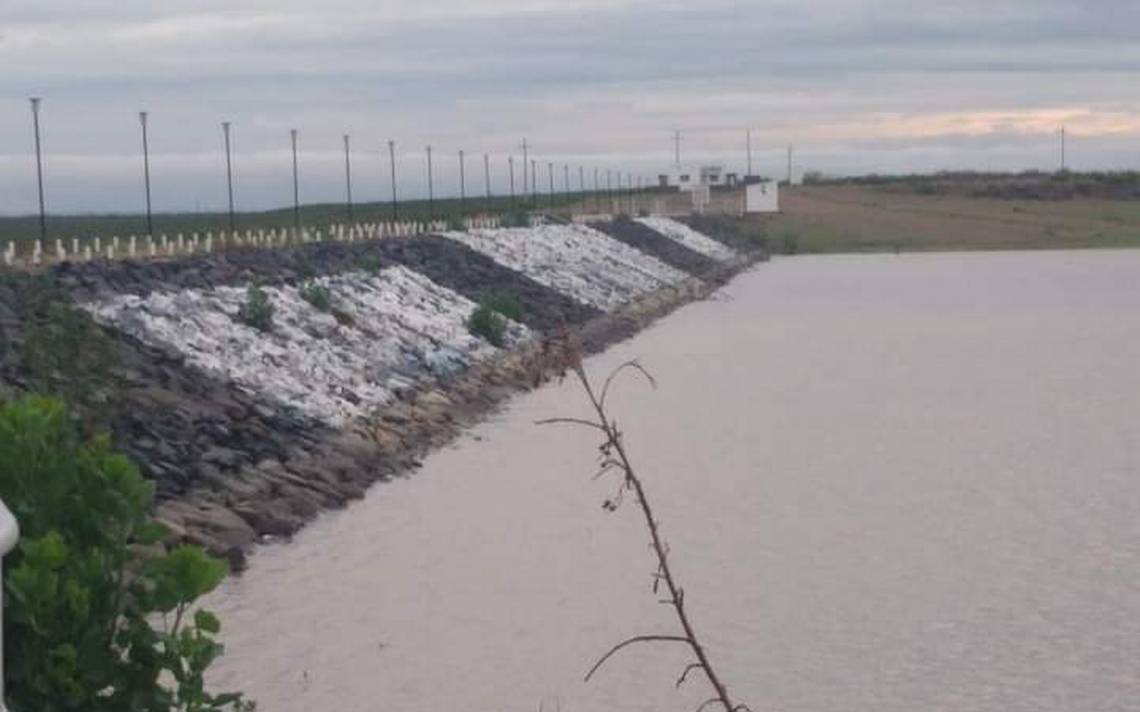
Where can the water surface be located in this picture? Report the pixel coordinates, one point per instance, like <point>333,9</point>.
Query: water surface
<point>890,483</point>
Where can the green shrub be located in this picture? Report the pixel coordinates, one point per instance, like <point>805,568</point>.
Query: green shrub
<point>489,324</point>
<point>506,304</point>
<point>489,320</point>
<point>456,223</point>
<point>257,310</point>
<point>317,295</point>
<point>369,263</point>
<point>97,617</point>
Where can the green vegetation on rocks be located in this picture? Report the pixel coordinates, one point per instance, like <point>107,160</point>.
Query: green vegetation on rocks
<point>97,614</point>
<point>489,320</point>
<point>318,295</point>
<point>257,310</point>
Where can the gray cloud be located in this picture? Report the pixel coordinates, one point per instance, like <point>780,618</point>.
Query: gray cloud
<point>858,86</point>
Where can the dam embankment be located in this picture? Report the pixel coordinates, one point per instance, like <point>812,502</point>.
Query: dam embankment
<point>249,432</point>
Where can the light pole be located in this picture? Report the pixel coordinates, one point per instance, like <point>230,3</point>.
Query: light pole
<point>533,182</point>
<point>296,185</point>
<point>392,163</point>
<point>146,174</point>
<point>229,173</point>
<point>511,170</point>
<point>35,100</point>
<point>524,159</point>
<point>550,173</point>
<point>431,189</point>
<point>487,178</point>
<point>347,178</point>
<point>462,184</point>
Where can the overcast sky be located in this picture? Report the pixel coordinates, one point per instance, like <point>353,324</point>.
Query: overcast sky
<point>857,87</point>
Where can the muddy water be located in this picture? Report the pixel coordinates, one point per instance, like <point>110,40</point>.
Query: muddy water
<point>889,483</point>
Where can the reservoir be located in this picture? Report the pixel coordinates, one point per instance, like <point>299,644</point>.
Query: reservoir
<point>889,483</point>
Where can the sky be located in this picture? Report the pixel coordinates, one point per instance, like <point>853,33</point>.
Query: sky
<point>856,87</point>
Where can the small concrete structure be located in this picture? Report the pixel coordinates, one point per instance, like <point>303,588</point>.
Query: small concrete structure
<point>762,197</point>
<point>687,177</point>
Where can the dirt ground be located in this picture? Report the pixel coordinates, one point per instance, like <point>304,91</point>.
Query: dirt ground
<point>844,218</point>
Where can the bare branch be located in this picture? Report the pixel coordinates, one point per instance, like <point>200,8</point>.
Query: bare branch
<point>570,421</point>
<point>614,374</point>
<point>685,672</point>
<point>706,703</point>
<point>631,641</point>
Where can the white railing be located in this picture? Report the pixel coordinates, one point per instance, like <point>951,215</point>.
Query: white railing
<point>9,533</point>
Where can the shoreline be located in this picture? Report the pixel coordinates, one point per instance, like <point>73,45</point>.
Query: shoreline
<point>269,501</point>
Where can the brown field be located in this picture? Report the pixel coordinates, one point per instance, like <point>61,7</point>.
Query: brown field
<point>847,218</point>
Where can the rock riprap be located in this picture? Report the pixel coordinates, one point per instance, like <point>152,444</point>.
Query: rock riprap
<point>687,236</point>
<point>575,260</point>
<point>385,331</point>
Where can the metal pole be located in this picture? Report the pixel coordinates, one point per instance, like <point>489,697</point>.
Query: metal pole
<point>348,178</point>
<point>392,162</point>
<point>511,169</point>
<point>609,189</point>
<point>146,174</point>
<point>597,192</point>
<point>487,179</point>
<point>229,173</point>
<point>431,188</point>
<point>534,182</point>
<point>39,165</point>
<point>550,172</point>
<point>462,185</point>
<point>749,139</point>
<point>524,176</point>
<point>296,185</point>
<point>566,178</point>
<point>581,179</point>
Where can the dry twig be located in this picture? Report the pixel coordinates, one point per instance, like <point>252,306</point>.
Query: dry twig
<point>613,457</point>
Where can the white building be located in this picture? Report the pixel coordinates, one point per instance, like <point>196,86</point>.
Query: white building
<point>762,197</point>
<point>685,177</point>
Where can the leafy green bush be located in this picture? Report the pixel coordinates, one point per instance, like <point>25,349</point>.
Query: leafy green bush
<point>96,615</point>
<point>257,310</point>
<point>489,324</point>
<point>489,320</point>
<point>506,304</point>
<point>318,295</point>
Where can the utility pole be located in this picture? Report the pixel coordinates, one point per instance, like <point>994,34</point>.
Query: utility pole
<point>550,172</point>
<point>487,179</point>
<point>229,173</point>
<point>534,182</point>
<point>610,189</point>
<point>748,135</point>
<point>35,100</point>
<point>296,186</point>
<point>146,173</point>
<point>597,191</point>
<point>566,178</point>
<point>581,179</point>
<point>462,185</point>
<point>392,163</point>
<point>431,188</point>
<point>524,159</point>
<point>511,170</point>
<point>1062,149</point>
<point>348,178</point>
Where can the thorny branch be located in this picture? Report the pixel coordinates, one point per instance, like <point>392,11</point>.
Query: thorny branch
<point>614,458</point>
